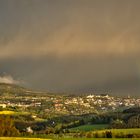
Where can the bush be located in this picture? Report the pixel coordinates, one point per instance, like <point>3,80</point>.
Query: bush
<point>89,135</point>
<point>108,134</point>
<point>96,135</point>
<point>120,135</point>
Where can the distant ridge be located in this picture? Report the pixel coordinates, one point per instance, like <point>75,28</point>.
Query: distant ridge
<point>16,90</point>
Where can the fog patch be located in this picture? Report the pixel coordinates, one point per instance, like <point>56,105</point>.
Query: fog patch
<point>8,79</point>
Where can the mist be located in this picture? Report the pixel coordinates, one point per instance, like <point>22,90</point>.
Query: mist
<point>72,46</point>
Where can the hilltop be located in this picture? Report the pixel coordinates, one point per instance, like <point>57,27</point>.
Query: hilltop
<point>16,90</point>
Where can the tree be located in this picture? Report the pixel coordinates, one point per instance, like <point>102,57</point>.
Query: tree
<point>118,124</point>
<point>7,127</point>
<point>108,134</point>
<point>134,122</point>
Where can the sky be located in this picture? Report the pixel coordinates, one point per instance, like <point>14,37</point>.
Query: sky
<point>71,46</point>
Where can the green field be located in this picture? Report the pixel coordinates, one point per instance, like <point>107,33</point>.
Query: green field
<point>70,137</point>
<point>18,138</point>
<point>90,127</point>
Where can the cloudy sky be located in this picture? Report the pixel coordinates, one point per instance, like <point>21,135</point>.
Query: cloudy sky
<point>72,46</point>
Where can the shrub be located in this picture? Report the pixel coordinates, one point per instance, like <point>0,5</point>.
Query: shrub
<point>96,135</point>
<point>108,134</point>
<point>89,135</point>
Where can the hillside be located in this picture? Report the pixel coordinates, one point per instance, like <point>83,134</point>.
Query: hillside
<point>16,90</point>
<point>11,90</point>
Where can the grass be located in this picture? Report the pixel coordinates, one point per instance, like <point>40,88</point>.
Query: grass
<point>18,138</point>
<point>8,112</point>
<point>13,138</point>
<point>124,131</point>
<point>90,127</point>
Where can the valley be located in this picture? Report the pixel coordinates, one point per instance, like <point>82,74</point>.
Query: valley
<point>47,115</point>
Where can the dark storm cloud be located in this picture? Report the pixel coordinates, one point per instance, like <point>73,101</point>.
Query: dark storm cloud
<point>72,46</point>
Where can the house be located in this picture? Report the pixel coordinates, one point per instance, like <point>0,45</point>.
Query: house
<point>3,105</point>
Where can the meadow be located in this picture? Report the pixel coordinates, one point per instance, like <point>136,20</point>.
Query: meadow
<point>90,127</point>
<point>115,132</point>
<point>121,131</point>
<point>18,138</point>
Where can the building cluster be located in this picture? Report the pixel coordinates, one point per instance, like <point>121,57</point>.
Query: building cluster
<point>69,104</point>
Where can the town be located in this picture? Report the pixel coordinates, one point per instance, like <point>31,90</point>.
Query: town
<point>37,103</point>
